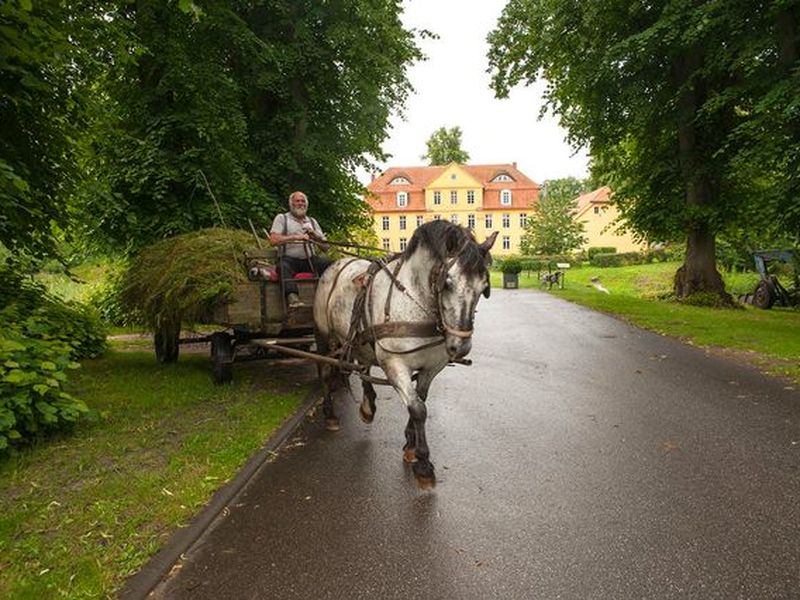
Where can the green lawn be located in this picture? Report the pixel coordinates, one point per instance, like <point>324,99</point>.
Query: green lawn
<point>80,512</point>
<point>769,339</point>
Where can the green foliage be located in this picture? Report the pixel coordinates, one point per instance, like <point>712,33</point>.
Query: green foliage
<point>551,228</point>
<point>600,250</point>
<point>614,259</point>
<point>444,147</point>
<point>181,278</point>
<point>510,264</point>
<point>688,108</point>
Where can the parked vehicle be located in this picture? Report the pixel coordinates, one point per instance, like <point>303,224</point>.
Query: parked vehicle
<point>769,291</point>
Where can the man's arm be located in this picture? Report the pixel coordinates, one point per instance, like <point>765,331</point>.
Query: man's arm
<point>276,239</point>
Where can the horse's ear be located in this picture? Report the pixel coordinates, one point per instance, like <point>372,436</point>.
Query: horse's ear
<point>487,244</point>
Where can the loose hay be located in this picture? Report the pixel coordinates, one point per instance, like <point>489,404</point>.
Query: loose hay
<point>180,279</point>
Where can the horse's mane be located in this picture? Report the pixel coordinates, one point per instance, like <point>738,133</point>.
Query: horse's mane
<point>444,239</point>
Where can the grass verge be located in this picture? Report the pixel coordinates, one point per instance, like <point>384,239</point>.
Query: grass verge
<point>767,339</point>
<point>81,512</point>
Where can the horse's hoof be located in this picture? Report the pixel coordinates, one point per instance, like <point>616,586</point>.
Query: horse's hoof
<point>426,483</point>
<point>332,424</point>
<point>366,417</point>
<point>409,455</point>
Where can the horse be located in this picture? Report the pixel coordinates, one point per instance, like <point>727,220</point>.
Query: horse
<point>410,314</point>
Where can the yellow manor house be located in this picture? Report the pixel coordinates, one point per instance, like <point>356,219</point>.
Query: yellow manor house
<point>485,198</point>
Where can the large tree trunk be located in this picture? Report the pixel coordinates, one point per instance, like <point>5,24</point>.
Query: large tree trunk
<point>699,271</point>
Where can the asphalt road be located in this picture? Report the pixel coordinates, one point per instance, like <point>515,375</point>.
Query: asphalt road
<point>579,457</point>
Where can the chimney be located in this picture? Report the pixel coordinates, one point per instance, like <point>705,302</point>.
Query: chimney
<point>514,164</point>
<point>372,176</point>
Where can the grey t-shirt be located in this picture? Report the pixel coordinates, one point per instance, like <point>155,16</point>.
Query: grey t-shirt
<point>286,224</point>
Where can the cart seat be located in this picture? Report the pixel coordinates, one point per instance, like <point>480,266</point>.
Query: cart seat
<point>304,276</point>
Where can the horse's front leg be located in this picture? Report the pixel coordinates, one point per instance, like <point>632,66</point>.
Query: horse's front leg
<point>367,408</point>
<point>400,376</point>
<point>424,379</point>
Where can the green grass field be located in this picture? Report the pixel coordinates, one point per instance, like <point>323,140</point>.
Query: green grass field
<point>769,339</point>
<point>81,511</point>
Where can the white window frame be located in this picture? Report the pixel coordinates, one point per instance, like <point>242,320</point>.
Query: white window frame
<point>506,220</point>
<point>385,224</point>
<point>506,242</point>
<point>470,196</point>
<point>505,197</point>
<point>471,221</point>
<point>420,220</point>
<point>437,197</point>
<point>386,244</point>
<point>487,220</point>
<point>402,222</point>
<point>453,196</point>
<point>402,199</point>
<point>399,181</point>
<point>503,177</point>
<point>403,244</point>
<point>437,217</point>
<point>454,219</point>
<point>523,219</point>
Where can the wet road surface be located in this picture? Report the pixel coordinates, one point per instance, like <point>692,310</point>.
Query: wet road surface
<point>579,457</point>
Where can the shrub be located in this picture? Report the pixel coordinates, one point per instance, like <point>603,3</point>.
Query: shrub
<point>106,299</point>
<point>591,252</point>
<point>511,264</point>
<point>617,259</point>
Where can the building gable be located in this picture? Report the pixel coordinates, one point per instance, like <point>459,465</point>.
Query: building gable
<point>454,177</point>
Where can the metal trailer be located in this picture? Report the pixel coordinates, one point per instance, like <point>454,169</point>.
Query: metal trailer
<point>769,291</point>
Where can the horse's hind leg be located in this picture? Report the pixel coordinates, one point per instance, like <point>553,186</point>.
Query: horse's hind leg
<point>367,408</point>
<point>328,376</point>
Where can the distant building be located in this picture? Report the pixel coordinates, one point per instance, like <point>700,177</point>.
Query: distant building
<point>601,221</point>
<point>484,198</point>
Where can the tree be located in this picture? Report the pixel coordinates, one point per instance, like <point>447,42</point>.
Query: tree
<point>444,147</point>
<point>664,100</point>
<point>243,102</point>
<point>551,228</point>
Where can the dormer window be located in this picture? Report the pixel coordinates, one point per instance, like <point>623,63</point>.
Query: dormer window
<point>505,197</point>
<point>502,178</point>
<point>402,199</point>
<point>400,180</point>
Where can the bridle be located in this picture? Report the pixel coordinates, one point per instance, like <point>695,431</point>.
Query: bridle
<point>438,283</point>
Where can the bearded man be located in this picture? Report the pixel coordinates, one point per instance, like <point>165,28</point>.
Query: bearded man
<point>293,232</point>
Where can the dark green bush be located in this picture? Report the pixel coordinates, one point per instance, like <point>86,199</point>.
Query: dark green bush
<point>40,337</point>
<point>618,259</point>
<point>510,264</point>
<point>600,250</point>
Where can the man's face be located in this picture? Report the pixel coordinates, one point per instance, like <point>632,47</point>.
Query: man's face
<point>298,205</point>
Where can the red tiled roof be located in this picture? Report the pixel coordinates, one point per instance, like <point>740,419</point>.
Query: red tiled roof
<point>524,190</point>
<point>599,196</point>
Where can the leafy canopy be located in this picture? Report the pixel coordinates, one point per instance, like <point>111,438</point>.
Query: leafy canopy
<point>551,228</point>
<point>444,147</point>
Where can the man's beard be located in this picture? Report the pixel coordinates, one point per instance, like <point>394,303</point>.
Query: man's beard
<point>297,212</point>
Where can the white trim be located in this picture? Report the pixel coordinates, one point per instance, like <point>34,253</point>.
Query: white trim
<point>505,194</point>
<point>402,199</point>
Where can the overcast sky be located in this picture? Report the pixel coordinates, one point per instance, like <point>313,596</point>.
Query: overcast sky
<point>452,89</point>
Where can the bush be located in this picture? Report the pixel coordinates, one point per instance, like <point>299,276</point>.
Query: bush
<point>617,259</point>
<point>591,252</point>
<point>106,299</point>
<point>510,264</point>
<point>40,337</point>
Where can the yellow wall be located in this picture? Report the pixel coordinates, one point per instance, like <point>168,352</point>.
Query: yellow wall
<point>599,229</point>
<point>513,231</point>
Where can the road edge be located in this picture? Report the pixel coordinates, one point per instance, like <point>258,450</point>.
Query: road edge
<point>139,585</point>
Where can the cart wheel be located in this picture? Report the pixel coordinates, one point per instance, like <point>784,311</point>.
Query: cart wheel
<point>763,296</point>
<point>166,342</point>
<point>221,357</point>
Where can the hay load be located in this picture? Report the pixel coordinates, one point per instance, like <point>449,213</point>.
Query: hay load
<point>181,279</point>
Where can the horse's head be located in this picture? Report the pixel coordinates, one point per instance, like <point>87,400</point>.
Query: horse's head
<point>458,284</point>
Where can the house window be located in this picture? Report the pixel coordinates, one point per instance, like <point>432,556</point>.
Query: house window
<point>453,197</point>
<point>402,199</point>
<point>386,244</point>
<point>502,177</point>
<point>437,217</point>
<point>471,221</point>
<point>454,219</point>
<point>385,223</point>
<point>402,222</point>
<point>505,197</point>
<point>437,197</point>
<point>399,181</point>
<point>506,242</point>
<point>402,244</point>
<point>470,196</point>
<point>506,221</point>
<point>487,221</point>
<point>523,219</point>
<point>420,220</point>
<point>597,210</point>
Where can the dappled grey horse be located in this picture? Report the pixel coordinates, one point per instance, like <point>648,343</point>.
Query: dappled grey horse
<point>410,314</point>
